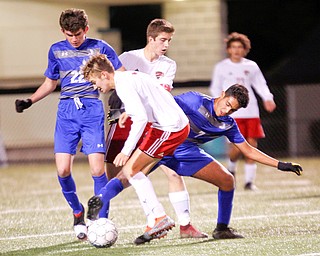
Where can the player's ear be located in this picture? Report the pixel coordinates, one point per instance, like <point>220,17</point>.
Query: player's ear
<point>86,29</point>
<point>223,94</point>
<point>150,39</point>
<point>104,74</point>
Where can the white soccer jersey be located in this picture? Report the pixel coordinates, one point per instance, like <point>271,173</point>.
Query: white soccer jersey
<point>164,68</point>
<point>146,101</point>
<point>246,73</point>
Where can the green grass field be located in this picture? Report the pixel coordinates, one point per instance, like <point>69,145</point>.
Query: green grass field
<point>281,218</point>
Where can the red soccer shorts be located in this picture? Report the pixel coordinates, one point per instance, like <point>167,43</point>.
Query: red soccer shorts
<point>158,143</point>
<point>250,127</point>
<point>117,137</point>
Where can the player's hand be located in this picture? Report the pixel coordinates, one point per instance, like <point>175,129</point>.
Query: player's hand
<point>290,167</point>
<point>269,105</point>
<point>114,101</point>
<point>22,104</point>
<point>120,160</point>
<point>122,120</point>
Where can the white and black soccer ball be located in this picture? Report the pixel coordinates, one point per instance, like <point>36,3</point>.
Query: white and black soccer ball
<point>102,233</point>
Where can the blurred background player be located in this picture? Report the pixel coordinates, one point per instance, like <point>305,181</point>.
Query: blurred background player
<point>3,154</point>
<point>151,60</point>
<point>80,114</point>
<point>237,69</point>
<point>146,102</point>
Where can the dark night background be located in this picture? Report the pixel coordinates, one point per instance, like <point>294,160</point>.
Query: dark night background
<point>285,36</point>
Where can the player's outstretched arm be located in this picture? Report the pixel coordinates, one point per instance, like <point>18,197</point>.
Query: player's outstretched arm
<point>45,89</point>
<point>258,156</point>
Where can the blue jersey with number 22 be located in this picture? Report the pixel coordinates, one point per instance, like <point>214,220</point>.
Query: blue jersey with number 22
<point>65,62</point>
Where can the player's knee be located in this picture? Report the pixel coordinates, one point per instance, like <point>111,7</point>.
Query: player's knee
<point>97,171</point>
<point>63,172</point>
<point>228,183</point>
<point>123,179</point>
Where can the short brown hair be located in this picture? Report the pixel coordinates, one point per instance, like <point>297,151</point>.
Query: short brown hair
<point>73,19</point>
<point>240,93</point>
<point>237,37</point>
<point>158,26</point>
<point>95,65</point>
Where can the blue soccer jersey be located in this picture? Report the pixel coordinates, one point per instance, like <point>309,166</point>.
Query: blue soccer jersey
<point>80,113</point>
<point>65,62</point>
<point>205,126</point>
<point>204,123</point>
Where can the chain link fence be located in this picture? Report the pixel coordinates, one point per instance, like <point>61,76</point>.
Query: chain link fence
<point>291,130</point>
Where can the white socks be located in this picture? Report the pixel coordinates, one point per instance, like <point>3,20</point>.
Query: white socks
<point>181,204</point>
<point>148,199</point>
<point>250,172</point>
<point>232,166</point>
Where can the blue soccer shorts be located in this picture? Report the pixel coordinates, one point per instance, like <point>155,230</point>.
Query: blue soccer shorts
<point>75,123</point>
<point>187,159</point>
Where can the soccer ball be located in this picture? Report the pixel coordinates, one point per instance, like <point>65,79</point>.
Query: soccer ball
<point>102,233</point>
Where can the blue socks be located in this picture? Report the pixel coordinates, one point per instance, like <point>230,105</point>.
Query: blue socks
<point>225,202</point>
<point>69,191</point>
<point>109,191</point>
<point>99,183</point>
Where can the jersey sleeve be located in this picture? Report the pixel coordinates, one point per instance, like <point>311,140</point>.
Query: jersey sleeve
<point>260,85</point>
<point>136,110</point>
<point>52,70</point>
<point>234,135</point>
<point>216,85</point>
<point>167,80</point>
<point>184,100</point>
<point>111,55</point>
<point>125,58</point>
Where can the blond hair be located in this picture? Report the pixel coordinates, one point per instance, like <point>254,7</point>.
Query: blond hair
<point>95,65</point>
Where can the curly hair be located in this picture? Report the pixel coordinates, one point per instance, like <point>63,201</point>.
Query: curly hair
<point>237,37</point>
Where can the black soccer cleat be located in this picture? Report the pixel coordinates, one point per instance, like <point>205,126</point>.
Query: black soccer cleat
<point>250,186</point>
<point>146,238</point>
<point>79,225</point>
<point>94,205</point>
<point>227,233</point>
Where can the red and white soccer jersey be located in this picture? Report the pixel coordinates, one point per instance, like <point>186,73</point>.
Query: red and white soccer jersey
<point>246,73</point>
<point>163,68</point>
<point>146,101</point>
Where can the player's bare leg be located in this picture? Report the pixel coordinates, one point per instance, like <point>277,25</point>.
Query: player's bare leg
<point>234,156</point>
<point>112,171</point>
<point>216,174</point>
<point>179,198</point>
<point>250,168</point>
